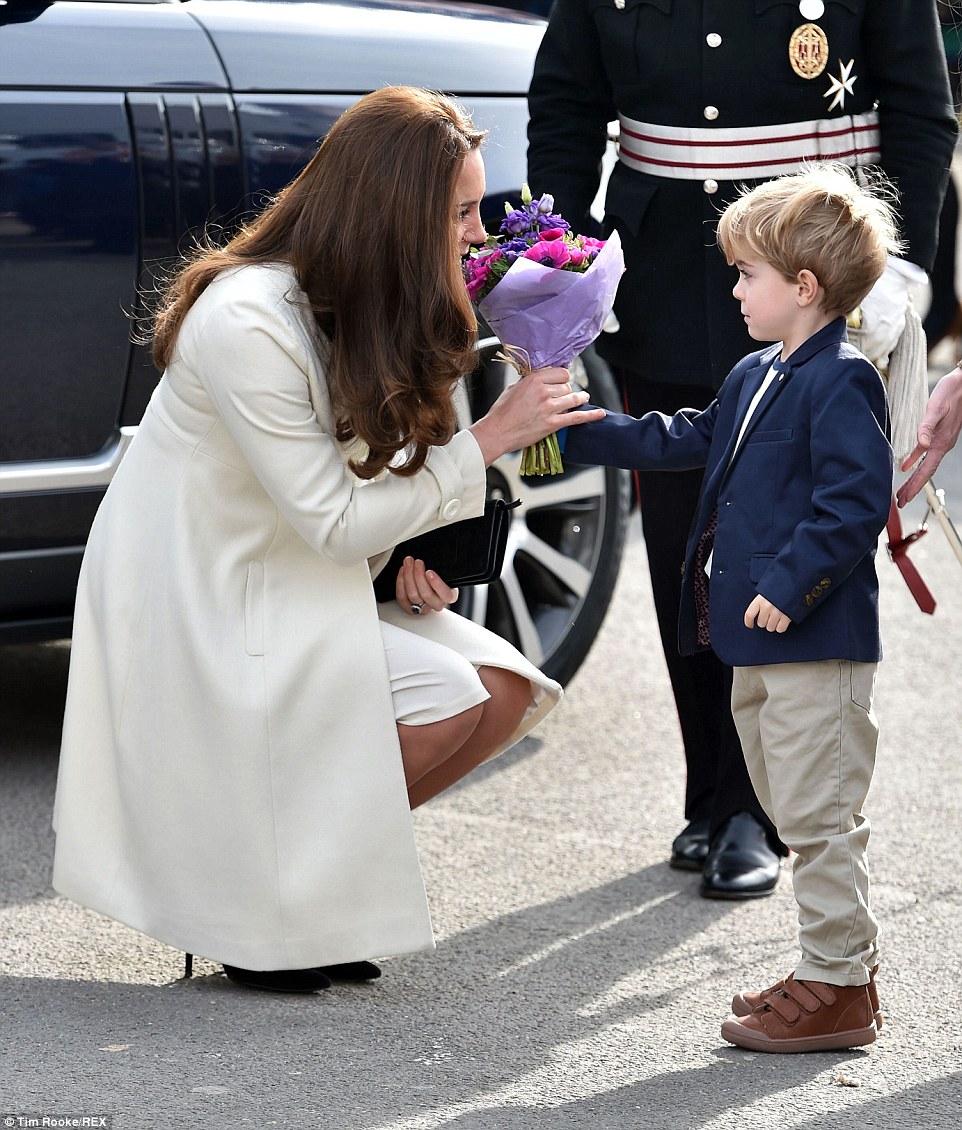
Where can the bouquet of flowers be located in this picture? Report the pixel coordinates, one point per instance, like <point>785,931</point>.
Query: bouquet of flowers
<point>546,293</point>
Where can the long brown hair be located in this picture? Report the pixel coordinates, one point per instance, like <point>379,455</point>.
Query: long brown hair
<point>369,229</point>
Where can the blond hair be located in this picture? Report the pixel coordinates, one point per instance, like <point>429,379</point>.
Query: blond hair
<point>820,220</point>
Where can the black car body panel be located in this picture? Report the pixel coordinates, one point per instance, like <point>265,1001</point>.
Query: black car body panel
<point>331,47</point>
<point>126,131</point>
<point>130,129</point>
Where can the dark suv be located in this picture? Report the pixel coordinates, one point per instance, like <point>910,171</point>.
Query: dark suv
<point>126,129</point>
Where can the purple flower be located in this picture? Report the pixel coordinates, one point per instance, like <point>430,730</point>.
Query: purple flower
<point>553,221</point>
<point>532,231</point>
<point>514,248</point>
<point>516,222</point>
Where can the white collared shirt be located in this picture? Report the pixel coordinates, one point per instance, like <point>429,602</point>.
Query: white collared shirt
<point>762,389</point>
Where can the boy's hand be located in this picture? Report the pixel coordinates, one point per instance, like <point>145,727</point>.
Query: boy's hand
<point>530,409</point>
<point>766,615</point>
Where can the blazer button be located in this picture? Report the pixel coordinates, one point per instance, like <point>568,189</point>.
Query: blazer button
<point>809,600</point>
<point>713,39</point>
<point>711,113</point>
<point>451,509</point>
<point>710,186</point>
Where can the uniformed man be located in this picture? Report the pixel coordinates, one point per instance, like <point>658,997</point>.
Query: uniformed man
<point>711,94</point>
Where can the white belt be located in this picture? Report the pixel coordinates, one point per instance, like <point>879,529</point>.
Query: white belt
<point>749,152</point>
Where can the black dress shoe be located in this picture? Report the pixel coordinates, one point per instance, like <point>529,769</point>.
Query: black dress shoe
<point>740,863</point>
<point>352,971</point>
<point>279,980</point>
<point>689,849</point>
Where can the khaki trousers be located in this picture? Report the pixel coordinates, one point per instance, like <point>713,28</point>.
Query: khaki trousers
<point>809,736</point>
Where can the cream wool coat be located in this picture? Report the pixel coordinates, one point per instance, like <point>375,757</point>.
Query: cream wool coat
<point>230,778</point>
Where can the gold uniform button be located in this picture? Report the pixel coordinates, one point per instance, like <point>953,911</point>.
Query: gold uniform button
<point>710,186</point>
<point>809,600</point>
<point>713,39</point>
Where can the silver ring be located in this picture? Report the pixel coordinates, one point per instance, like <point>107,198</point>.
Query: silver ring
<point>416,609</point>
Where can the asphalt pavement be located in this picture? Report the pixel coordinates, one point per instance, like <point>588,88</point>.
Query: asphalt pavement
<point>577,981</point>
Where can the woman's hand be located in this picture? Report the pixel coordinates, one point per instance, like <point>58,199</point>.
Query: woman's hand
<point>530,409</point>
<point>419,590</point>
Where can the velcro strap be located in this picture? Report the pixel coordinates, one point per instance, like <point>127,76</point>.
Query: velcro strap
<point>784,1007</point>
<point>796,998</point>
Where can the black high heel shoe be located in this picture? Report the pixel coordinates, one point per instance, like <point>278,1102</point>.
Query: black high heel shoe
<point>352,971</point>
<point>295,980</point>
<point>279,980</point>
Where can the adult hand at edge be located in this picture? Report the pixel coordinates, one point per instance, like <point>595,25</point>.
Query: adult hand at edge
<point>938,434</point>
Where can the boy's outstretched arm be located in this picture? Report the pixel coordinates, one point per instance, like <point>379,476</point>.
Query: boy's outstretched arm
<point>650,442</point>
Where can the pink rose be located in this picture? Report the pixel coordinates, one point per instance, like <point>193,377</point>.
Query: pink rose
<point>475,286</point>
<point>477,273</point>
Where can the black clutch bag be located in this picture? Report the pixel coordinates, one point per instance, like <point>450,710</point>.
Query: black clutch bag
<point>470,552</point>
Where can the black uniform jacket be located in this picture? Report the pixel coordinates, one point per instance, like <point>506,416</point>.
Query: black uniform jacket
<point>677,63</point>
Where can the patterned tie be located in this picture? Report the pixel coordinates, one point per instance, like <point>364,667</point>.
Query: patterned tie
<point>700,581</point>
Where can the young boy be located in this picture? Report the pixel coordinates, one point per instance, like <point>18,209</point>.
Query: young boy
<point>779,577</point>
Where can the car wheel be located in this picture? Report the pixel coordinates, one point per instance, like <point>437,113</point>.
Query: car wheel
<point>565,541</point>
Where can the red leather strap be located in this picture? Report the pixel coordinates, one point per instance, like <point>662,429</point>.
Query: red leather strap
<point>898,551</point>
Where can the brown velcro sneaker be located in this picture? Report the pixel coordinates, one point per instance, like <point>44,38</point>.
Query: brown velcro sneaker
<point>745,1002</point>
<point>806,1016</point>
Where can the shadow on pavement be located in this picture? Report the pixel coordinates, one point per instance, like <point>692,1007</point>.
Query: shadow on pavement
<point>33,681</point>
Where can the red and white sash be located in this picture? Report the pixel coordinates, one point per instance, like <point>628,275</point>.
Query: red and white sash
<point>749,152</point>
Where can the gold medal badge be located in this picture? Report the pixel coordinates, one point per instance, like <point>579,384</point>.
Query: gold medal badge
<point>808,51</point>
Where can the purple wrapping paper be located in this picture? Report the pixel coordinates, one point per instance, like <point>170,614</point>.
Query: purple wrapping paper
<point>552,314</point>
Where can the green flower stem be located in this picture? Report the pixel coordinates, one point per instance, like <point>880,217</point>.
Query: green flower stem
<point>542,458</point>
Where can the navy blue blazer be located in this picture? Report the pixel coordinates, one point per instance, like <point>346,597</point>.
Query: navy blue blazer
<point>801,502</point>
